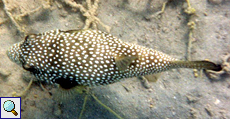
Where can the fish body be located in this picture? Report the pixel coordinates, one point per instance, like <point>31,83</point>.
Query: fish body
<point>90,57</point>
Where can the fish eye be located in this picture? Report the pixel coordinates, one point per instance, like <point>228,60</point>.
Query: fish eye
<point>26,41</point>
<point>26,38</point>
<point>30,37</point>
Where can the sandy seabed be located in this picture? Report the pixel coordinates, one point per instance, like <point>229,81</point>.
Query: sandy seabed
<point>177,93</point>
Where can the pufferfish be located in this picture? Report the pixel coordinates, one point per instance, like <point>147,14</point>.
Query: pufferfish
<point>91,57</point>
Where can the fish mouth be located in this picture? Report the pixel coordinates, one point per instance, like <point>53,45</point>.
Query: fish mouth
<point>14,53</point>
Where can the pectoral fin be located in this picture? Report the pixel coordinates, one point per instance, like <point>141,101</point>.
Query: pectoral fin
<point>122,62</point>
<point>152,77</point>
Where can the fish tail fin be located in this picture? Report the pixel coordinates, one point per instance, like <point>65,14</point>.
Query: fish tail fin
<point>204,64</point>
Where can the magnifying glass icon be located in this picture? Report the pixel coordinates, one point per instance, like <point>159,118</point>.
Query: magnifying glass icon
<point>9,106</point>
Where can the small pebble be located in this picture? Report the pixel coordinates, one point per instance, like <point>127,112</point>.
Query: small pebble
<point>216,2</point>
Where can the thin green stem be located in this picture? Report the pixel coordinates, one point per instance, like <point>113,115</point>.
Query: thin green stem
<point>106,107</point>
<point>83,106</point>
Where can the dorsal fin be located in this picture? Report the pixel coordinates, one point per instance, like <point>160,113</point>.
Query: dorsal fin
<point>122,62</point>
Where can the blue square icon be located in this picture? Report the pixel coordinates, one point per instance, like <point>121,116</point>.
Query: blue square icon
<point>10,108</point>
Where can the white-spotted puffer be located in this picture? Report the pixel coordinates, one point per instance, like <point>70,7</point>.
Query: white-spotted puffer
<point>91,57</point>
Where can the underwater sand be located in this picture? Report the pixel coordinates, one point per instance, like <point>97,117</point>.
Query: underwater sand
<point>177,93</point>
